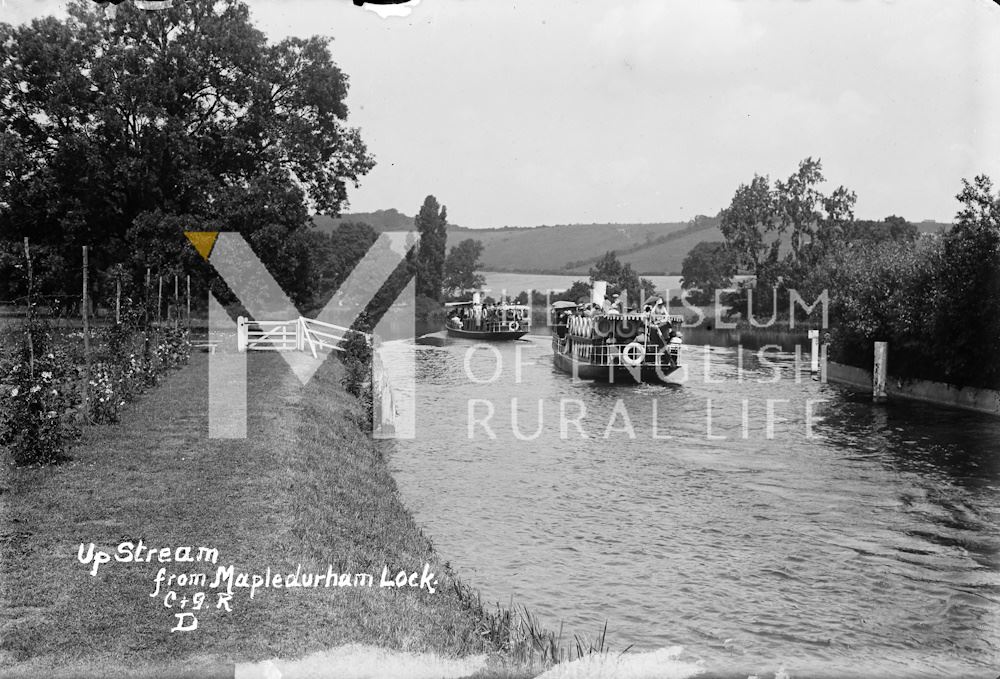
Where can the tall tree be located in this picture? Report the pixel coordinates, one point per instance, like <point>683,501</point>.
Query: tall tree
<point>708,266</point>
<point>460,267</point>
<point>750,216</point>
<point>432,225</point>
<point>798,204</point>
<point>186,111</point>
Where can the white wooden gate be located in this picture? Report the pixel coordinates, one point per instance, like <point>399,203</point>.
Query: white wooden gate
<point>308,334</point>
<point>300,334</point>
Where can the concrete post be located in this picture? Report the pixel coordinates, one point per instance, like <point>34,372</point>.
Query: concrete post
<point>880,371</point>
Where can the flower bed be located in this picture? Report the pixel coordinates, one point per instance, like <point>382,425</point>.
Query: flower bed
<point>42,406</point>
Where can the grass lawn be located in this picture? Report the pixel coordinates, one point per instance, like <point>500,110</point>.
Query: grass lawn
<point>305,487</point>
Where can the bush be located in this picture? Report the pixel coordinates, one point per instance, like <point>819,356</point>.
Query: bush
<point>173,349</point>
<point>357,359</point>
<point>935,301</point>
<point>41,408</point>
<point>39,405</point>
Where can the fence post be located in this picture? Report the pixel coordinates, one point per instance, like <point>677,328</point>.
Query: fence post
<point>31,311</point>
<point>86,337</point>
<point>299,332</point>
<point>880,372</point>
<point>241,333</point>
<point>814,351</point>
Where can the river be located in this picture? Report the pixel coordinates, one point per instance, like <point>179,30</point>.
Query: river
<point>754,516</point>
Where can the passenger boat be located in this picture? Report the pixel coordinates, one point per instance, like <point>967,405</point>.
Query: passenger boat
<point>592,343</point>
<point>487,322</point>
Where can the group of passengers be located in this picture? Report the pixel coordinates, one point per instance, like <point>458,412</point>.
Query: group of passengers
<point>655,311</point>
<point>475,315</point>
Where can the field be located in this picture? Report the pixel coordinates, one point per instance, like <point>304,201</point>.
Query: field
<point>653,248</point>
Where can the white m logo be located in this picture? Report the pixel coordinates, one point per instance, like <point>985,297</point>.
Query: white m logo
<point>276,316</point>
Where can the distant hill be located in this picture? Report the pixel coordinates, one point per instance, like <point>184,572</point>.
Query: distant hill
<point>563,248</point>
<point>652,249</point>
<point>380,220</point>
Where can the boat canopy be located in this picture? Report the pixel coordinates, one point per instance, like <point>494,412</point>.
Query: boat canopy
<point>563,304</point>
<point>496,306</point>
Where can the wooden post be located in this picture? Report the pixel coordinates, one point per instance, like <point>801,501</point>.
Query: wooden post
<point>177,304</point>
<point>146,319</point>
<point>31,325</point>
<point>880,372</point>
<point>86,337</point>
<point>814,351</point>
<point>189,301</point>
<point>118,301</point>
<point>159,299</point>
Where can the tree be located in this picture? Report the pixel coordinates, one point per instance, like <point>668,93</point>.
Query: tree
<point>708,266</point>
<point>460,268</point>
<point>798,202</point>
<point>866,232</point>
<point>622,278</point>
<point>186,111</point>
<point>965,319</point>
<point>580,290</point>
<point>432,224</point>
<point>750,216</point>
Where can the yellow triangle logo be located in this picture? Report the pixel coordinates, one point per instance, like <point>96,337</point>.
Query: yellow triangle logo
<point>203,241</point>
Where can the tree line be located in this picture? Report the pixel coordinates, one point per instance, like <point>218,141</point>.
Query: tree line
<point>121,134</point>
<point>934,297</point>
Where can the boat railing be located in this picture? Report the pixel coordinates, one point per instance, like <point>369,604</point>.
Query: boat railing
<point>510,325</point>
<point>632,352</point>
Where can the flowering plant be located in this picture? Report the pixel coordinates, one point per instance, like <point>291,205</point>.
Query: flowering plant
<point>39,404</point>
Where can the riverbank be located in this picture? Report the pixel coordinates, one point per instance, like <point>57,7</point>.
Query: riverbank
<point>940,393</point>
<point>306,493</point>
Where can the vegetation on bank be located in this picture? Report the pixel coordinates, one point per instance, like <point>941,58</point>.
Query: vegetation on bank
<point>934,297</point>
<point>50,387</point>
<point>307,486</point>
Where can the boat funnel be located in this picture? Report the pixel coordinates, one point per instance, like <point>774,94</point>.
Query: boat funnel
<point>476,299</point>
<point>598,292</point>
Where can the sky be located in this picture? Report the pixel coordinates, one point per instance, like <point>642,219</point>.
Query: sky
<point>533,112</point>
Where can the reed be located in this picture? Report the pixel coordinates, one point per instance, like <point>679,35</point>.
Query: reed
<point>520,644</point>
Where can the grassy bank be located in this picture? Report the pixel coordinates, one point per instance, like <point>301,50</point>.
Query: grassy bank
<point>306,487</point>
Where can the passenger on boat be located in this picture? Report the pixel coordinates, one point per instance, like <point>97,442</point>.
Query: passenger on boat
<point>659,323</point>
<point>658,315</point>
<point>616,306</point>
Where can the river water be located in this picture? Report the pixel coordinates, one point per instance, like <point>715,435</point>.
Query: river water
<point>754,516</point>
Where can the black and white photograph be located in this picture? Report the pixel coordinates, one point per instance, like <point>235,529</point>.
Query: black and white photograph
<point>500,339</point>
